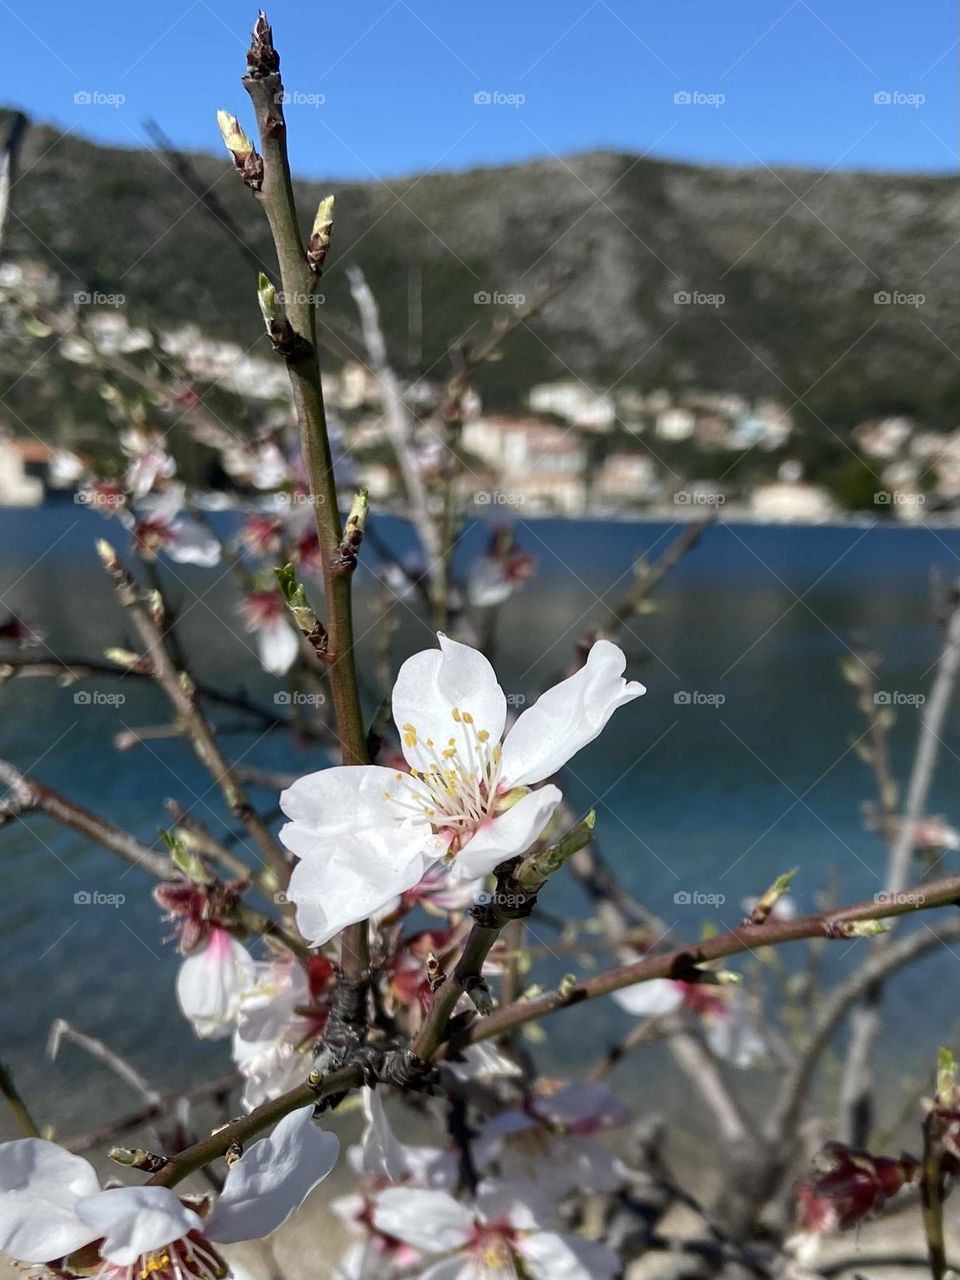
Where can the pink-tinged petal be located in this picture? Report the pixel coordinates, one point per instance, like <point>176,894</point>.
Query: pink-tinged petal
<point>358,878</point>
<point>136,1220</point>
<point>734,1034</point>
<point>650,999</point>
<point>429,1220</point>
<point>334,802</point>
<point>431,684</point>
<point>272,1179</point>
<point>210,983</point>
<point>567,717</point>
<point>278,646</point>
<point>506,836</point>
<point>40,1185</point>
<point>552,1256</point>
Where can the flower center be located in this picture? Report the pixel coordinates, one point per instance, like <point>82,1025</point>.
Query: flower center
<point>192,1258</point>
<point>457,791</point>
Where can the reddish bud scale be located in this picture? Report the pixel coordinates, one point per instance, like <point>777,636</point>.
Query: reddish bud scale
<point>857,1184</point>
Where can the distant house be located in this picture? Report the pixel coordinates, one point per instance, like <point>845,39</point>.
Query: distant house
<point>675,424</point>
<point>883,438</point>
<point>626,478</point>
<point>575,402</point>
<point>784,501</point>
<point>18,458</point>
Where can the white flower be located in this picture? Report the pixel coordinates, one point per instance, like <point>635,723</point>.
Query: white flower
<point>211,981</point>
<point>729,1018</point>
<point>273,1042</point>
<point>266,616</point>
<point>182,538</point>
<point>551,1144</point>
<point>381,1155</point>
<point>500,1235</point>
<point>149,460</point>
<point>51,1205</point>
<point>365,834</point>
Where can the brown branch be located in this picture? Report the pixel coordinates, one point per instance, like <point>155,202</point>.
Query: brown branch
<point>298,282</point>
<point>182,694</point>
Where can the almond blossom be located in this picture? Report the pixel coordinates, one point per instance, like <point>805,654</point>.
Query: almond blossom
<point>728,1017</point>
<point>266,617</point>
<point>165,528</point>
<point>53,1212</point>
<point>503,1236</point>
<point>365,834</point>
<point>210,983</point>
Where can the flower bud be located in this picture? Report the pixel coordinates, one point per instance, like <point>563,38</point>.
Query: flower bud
<point>247,160</point>
<point>319,241</point>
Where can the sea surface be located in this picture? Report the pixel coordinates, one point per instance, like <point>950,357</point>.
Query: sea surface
<point>738,764</point>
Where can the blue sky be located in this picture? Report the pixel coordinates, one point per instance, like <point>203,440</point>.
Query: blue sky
<point>387,87</point>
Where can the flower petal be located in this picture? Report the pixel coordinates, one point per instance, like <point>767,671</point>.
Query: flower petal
<point>504,837</point>
<point>136,1220</point>
<point>567,717</point>
<point>431,684</point>
<point>648,999</point>
<point>40,1184</point>
<point>552,1256</point>
<point>334,802</point>
<point>192,543</point>
<point>364,872</point>
<point>210,983</point>
<point>278,646</point>
<point>429,1220</point>
<point>272,1179</point>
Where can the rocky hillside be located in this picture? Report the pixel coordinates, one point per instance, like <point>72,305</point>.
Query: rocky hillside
<point>797,258</point>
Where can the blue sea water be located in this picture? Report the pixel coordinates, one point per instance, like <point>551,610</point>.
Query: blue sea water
<point>737,765</point>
